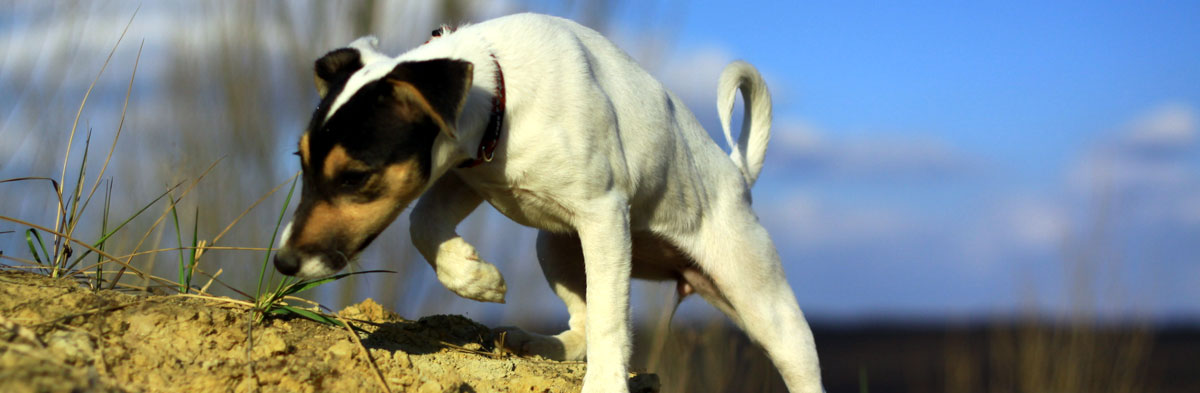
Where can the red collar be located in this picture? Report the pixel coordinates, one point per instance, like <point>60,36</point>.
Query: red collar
<point>491,134</point>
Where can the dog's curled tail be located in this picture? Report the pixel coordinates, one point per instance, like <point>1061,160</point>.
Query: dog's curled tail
<point>751,146</point>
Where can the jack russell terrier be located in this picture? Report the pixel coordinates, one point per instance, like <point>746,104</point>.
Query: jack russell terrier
<point>559,130</point>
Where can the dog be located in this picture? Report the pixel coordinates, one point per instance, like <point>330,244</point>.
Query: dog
<point>559,130</point>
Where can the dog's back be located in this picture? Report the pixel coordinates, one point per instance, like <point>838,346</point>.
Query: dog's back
<point>562,79</point>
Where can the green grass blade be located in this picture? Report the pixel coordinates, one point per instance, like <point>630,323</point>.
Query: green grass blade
<point>71,220</point>
<point>76,211</point>
<point>306,314</point>
<point>267,259</point>
<point>195,247</point>
<point>178,240</point>
<point>127,220</point>
<point>53,184</point>
<point>30,236</point>
<point>279,311</point>
<point>284,283</point>
<point>103,230</point>
<point>306,285</point>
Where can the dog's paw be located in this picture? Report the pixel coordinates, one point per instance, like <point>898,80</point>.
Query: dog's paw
<point>567,346</point>
<point>461,270</point>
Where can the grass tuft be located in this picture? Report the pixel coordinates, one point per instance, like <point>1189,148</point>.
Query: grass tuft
<point>273,302</point>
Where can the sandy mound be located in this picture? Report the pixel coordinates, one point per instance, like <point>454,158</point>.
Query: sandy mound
<point>56,336</point>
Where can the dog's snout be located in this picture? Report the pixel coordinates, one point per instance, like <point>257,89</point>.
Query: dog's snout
<point>287,262</point>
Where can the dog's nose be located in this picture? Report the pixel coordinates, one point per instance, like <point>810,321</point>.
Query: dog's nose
<point>287,262</point>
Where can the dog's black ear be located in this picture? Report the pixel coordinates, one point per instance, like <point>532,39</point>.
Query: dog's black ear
<point>335,67</point>
<point>441,83</point>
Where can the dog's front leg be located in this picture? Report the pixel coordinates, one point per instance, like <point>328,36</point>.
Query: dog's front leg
<point>605,238</point>
<point>432,227</point>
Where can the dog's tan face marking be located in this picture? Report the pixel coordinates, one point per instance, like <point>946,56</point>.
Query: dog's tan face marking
<point>304,151</point>
<point>358,212</point>
<point>338,164</point>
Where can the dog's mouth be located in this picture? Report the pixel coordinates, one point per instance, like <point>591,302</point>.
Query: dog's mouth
<point>307,264</point>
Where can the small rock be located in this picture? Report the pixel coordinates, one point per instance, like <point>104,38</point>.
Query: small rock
<point>431,387</point>
<point>142,326</point>
<point>204,317</point>
<point>74,346</point>
<point>343,349</point>
<point>187,315</point>
<point>269,343</point>
<point>368,310</point>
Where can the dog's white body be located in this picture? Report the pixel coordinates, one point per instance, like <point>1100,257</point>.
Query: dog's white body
<point>621,179</point>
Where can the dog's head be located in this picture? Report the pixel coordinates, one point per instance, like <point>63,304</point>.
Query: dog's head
<point>366,154</point>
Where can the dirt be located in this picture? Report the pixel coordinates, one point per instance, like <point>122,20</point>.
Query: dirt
<point>56,336</point>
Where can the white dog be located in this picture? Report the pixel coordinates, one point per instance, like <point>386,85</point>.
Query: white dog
<point>559,130</point>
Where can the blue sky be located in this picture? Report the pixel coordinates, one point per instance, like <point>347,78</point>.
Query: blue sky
<point>1030,79</point>
<point>956,159</point>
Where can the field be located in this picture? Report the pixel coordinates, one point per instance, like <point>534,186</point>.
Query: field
<point>58,336</point>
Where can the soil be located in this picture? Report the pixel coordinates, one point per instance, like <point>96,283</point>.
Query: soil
<point>56,336</point>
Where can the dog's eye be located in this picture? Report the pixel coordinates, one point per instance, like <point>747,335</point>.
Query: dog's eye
<point>354,179</point>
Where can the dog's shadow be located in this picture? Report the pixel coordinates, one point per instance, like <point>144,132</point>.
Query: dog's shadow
<point>440,332</point>
<point>432,334</point>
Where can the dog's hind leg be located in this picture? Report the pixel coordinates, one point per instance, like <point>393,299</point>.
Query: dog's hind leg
<point>562,262</point>
<point>432,227</point>
<point>735,252</point>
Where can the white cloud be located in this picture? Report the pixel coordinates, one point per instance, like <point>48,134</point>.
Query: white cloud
<point>897,155</point>
<point>799,219</point>
<point>693,74</point>
<point>807,148</point>
<point>794,137</point>
<point>1171,125</point>
<point>1150,155</point>
<point>1034,224</point>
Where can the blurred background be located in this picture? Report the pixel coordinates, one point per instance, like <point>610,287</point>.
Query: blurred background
<point>967,197</point>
